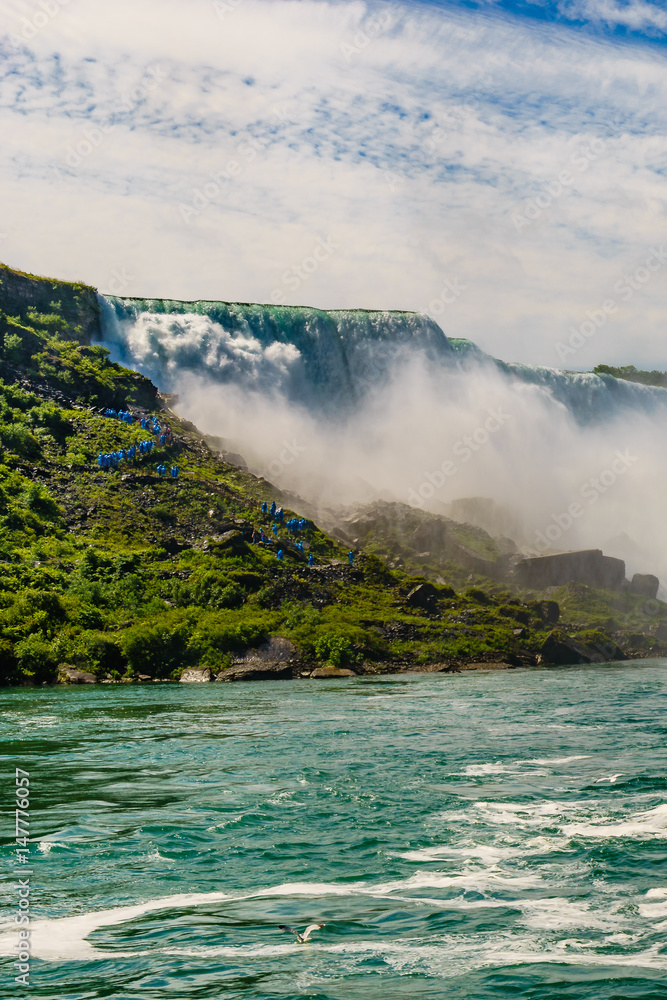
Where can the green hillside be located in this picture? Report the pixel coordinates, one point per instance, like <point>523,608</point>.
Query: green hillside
<point>126,573</point>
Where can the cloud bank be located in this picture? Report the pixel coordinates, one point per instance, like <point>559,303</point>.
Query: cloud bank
<point>202,150</point>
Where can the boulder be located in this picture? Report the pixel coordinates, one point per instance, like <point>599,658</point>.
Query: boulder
<point>645,585</point>
<point>273,660</point>
<point>195,675</point>
<point>587,566</point>
<point>330,671</point>
<point>256,672</point>
<point>548,611</point>
<point>559,649</point>
<point>71,675</point>
<point>424,595</point>
<point>229,541</point>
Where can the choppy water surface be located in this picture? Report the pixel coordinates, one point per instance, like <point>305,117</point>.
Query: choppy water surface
<point>495,835</point>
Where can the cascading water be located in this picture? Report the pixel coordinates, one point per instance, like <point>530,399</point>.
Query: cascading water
<point>348,406</point>
<point>326,359</point>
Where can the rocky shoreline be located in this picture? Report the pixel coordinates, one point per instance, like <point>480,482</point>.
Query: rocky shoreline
<point>279,659</point>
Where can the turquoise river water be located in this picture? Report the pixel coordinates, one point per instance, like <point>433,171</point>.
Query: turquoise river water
<point>498,834</point>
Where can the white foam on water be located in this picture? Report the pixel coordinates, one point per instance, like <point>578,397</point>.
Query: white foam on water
<point>237,951</point>
<point>478,770</point>
<point>643,825</point>
<point>487,854</point>
<point>155,855</point>
<point>558,760</point>
<point>657,908</point>
<point>524,814</point>
<point>64,938</point>
<point>651,958</point>
<point>481,878</point>
<point>559,913</point>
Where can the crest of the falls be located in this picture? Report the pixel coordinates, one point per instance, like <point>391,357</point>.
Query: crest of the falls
<point>327,361</point>
<point>352,406</point>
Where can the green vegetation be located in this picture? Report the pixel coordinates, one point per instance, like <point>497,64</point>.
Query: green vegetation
<point>630,374</point>
<point>130,575</point>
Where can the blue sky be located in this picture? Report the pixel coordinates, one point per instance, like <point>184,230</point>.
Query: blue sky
<point>499,165</point>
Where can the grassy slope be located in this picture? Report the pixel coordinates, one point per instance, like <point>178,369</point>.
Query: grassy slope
<point>125,573</point>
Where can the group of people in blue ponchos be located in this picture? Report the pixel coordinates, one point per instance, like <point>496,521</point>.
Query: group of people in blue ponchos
<point>293,525</point>
<point>112,460</point>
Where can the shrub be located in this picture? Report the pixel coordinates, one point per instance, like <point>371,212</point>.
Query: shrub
<point>479,596</point>
<point>338,650</point>
<point>17,438</point>
<point>157,649</point>
<point>36,659</point>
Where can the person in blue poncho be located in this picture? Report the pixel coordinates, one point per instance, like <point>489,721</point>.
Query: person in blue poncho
<point>174,472</point>
<point>311,560</point>
<point>280,555</point>
<point>350,556</point>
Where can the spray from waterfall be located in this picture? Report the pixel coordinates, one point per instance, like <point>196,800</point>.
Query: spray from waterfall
<point>348,407</point>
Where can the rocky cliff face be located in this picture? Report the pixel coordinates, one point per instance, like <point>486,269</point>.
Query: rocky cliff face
<point>76,303</point>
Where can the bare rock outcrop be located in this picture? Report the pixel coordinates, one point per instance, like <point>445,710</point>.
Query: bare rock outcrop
<point>645,585</point>
<point>196,675</point>
<point>588,566</point>
<point>273,660</point>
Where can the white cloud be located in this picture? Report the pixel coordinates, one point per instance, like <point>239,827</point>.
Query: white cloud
<point>413,154</point>
<point>638,15</point>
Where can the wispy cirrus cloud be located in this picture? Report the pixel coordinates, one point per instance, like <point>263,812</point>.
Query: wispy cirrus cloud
<point>416,138</point>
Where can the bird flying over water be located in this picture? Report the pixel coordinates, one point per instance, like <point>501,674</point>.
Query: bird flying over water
<point>301,938</point>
